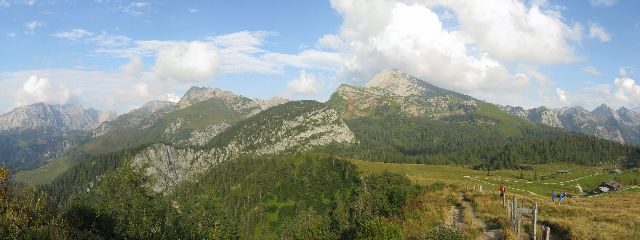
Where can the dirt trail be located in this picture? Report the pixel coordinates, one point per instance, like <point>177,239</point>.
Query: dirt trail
<point>487,234</point>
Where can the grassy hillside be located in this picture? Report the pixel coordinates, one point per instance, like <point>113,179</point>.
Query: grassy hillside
<point>197,116</point>
<point>45,173</point>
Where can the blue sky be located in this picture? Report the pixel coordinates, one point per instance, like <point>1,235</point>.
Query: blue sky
<point>117,54</point>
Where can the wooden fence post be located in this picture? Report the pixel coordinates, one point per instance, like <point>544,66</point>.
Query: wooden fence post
<point>535,219</point>
<point>514,205</point>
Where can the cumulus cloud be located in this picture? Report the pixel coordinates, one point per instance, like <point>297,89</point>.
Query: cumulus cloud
<point>305,84</point>
<point>187,62</point>
<point>511,30</point>
<point>597,31</point>
<point>412,38</point>
<point>134,66</point>
<point>591,70</point>
<point>603,3</point>
<point>628,91</point>
<point>37,89</point>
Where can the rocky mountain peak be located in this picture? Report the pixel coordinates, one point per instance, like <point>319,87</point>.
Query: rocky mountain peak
<point>397,82</point>
<point>605,111</point>
<point>199,94</point>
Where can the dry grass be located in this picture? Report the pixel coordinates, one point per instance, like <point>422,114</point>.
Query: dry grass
<point>610,216</point>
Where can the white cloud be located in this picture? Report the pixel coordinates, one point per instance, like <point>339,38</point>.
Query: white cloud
<point>11,35</point>
<point>73,34</point>
<point>625,71</point>
<point>111,90</point>
<point>193,10</point>
<point>4,3</point>
<point>136,8</point>
<point>562,95</point>
<point>603,3</point>
<point>331,42</point>
<point>172,97</point>
<point>383,35</point>
<point>134,66</point>
<point>599,32</point>
<point>106,39</point>
<point>187,62</point>
<point>305,84</point>
<point>591,70</point>
<point>307,59</point>
<point>37,89</point>
<point>511,30</point>
<point>628,91</point>
<point>31,26</point>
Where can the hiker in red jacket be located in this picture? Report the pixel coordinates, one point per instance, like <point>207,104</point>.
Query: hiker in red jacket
<point>503,189</point>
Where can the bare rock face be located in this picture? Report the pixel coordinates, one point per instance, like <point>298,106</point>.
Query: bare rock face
<point>396,82</point>
<point>203,136</point>
<point>270,133</point>
<point>61,118</point>
<point>545,116</point>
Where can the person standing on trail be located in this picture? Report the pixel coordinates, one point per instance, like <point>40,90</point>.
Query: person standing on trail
<point>562,195</point>
<point>503,189</point>
<point>553,197</point>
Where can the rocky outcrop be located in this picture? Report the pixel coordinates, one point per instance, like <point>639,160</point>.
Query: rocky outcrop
<point>203,136</point>
<point>272,132</point>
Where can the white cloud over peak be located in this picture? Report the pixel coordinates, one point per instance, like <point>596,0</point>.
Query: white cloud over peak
<point>598,31</point>
<point>187,62</point>
<point>305,84</point>
<point>603,3</point>
<point>383,35</point>
<point>37,89</point>
<point>562,95</point>
<point>172,97</point>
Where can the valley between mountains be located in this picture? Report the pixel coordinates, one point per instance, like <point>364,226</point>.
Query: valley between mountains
<point>385,160</point>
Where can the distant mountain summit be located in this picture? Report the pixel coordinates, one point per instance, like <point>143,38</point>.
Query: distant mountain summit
<point>61,118</point>
<point>33,134</point>
<point>403,84</point>
<point>396,89</point>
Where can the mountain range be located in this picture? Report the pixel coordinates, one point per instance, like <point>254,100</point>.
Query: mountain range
<point>270,163</point>
<point>622,125</point>
<point>394,117</point>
